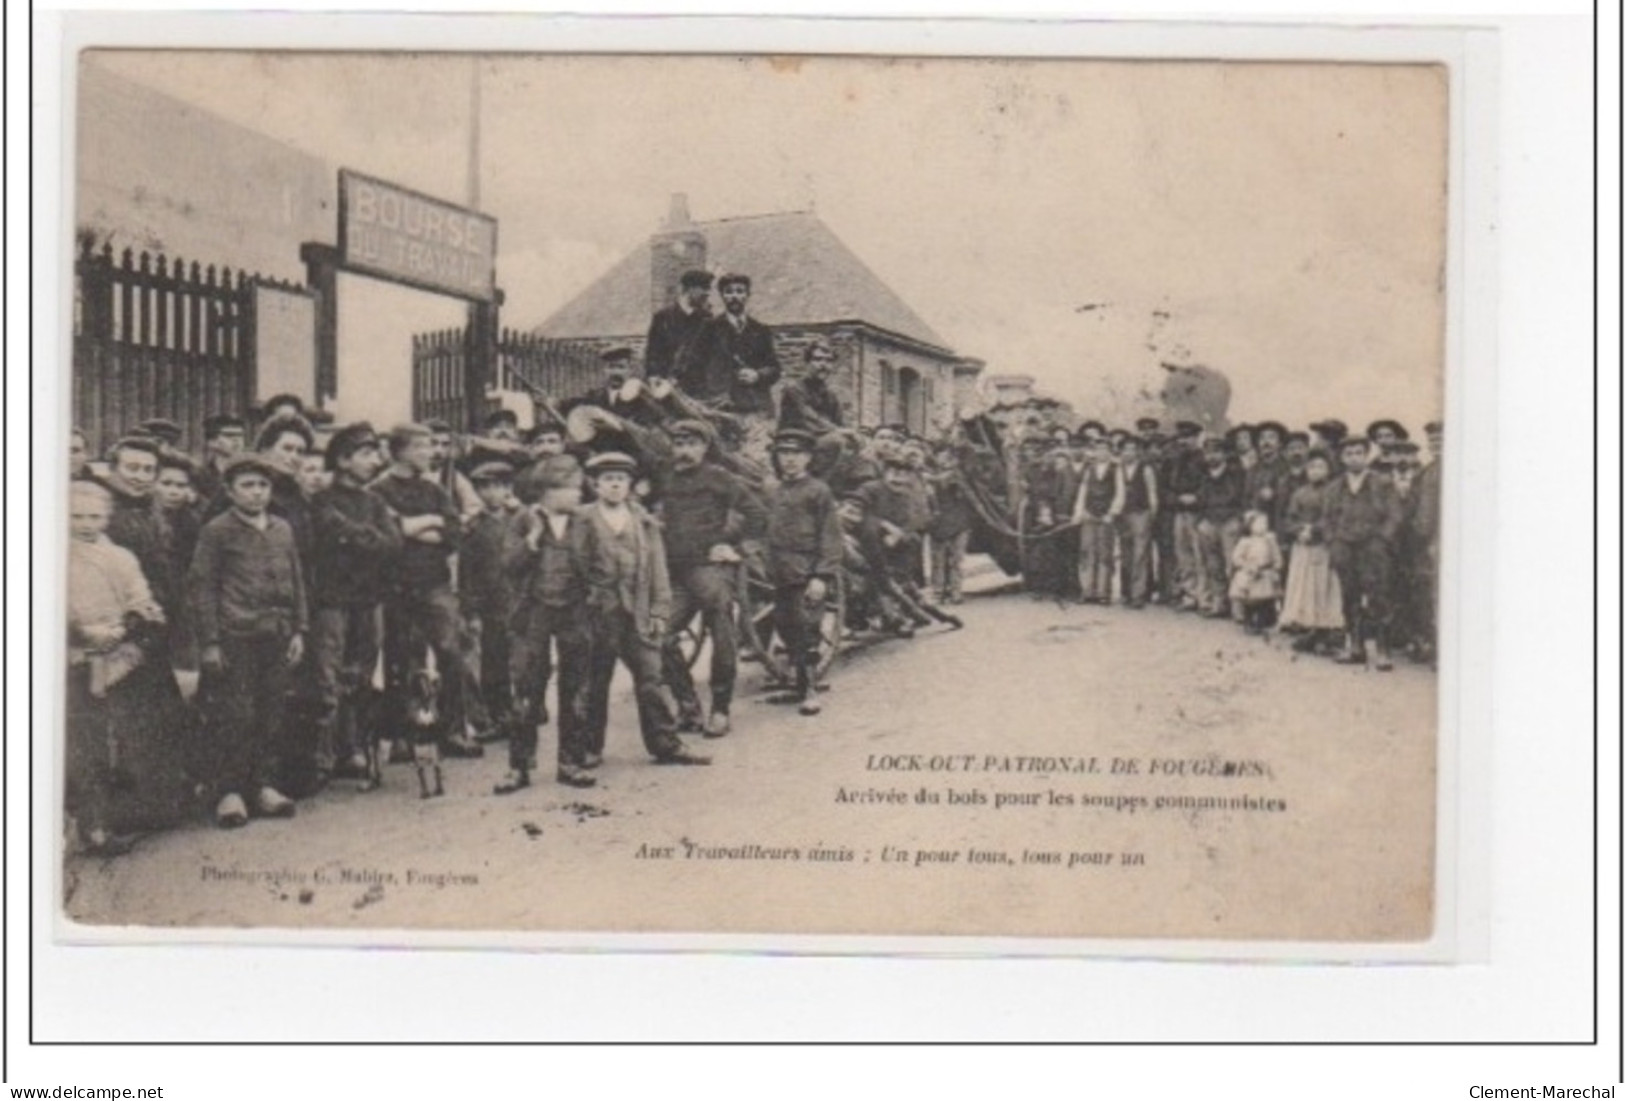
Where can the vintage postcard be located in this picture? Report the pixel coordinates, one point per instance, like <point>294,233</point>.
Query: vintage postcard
<point>800,495</point>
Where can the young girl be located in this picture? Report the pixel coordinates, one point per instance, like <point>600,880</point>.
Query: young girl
<point>1255,577</point>
<point>1314,600</point>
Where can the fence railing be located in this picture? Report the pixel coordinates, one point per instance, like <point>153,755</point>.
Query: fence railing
<point>560,368</point>
<point>154,336</point>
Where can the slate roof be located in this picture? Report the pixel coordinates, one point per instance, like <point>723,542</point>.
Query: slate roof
<point>801,273</point>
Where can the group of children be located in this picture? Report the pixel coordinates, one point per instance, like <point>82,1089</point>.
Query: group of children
<point>1328,535</point>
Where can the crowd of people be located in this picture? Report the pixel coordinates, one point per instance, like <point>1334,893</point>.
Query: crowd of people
<point>1326,534</point>
<point>252,622</point>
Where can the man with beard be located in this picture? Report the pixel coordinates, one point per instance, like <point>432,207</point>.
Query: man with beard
<point>673,328</point>
<point>707,513</point>
<point>733,365</point>
<point>1266,488</point>
<point>808,403</point>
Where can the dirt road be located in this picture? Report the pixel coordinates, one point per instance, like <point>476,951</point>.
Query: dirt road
<point>1065,771</point>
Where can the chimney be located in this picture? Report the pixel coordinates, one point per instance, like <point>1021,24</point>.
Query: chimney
<point>676,248</point>
<point>677,216</point>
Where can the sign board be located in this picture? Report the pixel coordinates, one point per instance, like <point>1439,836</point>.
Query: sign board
<point>398,234</point>
<point>284,342</point>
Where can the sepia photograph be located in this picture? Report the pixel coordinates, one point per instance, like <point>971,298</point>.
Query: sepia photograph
<point>802,495</point>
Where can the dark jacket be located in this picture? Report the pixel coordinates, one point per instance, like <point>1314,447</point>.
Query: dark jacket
<point>544,575</point>
<point>356,542</point>
<point>703,507</point>
<point>803,532</point>
<point>1375,512</point>
<point>1182,475</point>
<point>709,368</point>
<point>1222,497</point>
<point>643,587</point>
<point>246,583</point>
<point>671,331</point>
<point>421,566</point>
<point>135,525</point>
<point>808,405</point>
<point>954,513</point>
<point>482,583</point>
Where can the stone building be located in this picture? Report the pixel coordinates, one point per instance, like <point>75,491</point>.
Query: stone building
<point>890,366</point>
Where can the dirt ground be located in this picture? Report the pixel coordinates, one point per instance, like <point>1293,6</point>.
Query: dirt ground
<point>1318,825</point>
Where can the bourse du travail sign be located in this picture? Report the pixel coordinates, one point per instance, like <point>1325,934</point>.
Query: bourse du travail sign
<point>401,235</point>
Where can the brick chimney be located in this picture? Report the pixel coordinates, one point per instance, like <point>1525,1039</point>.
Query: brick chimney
<point>678,246</point>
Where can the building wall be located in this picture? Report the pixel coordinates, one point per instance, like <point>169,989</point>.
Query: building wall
<point>158,174</point>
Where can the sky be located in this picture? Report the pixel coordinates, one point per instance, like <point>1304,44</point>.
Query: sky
<point>1082,222</point>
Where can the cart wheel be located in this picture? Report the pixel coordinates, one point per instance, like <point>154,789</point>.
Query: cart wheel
<point>831,625</point>
<point>756,625</point>
<point>692,639</point>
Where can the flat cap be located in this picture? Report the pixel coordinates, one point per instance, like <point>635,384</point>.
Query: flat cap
<point>794,439</point>
<point>246,462</point>
<point>610,462</point>
<point>693,429</point>
<point>348,440</point>
<point>695,277</point>
<point>162,428</point>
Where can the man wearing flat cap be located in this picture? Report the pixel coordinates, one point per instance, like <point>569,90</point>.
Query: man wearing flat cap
<point>674,327</point>
<point>708,515</point>
<point>502,424</point>
<point>356,540</point>
<point>162,429</point>
<point>733,365</point>
<point>224,435</point>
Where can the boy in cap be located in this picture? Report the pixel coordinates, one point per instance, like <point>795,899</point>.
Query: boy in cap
<point>674,327</point>
<point>357,540</point>
<point>804,551</point>
<point>483,591</point>
<point>251,615</point>
<point>549,609</point>
<point>708,514</point>
<point>617,551</point>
